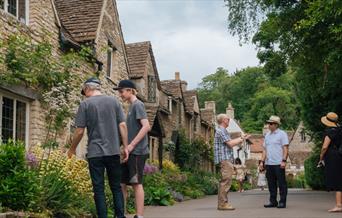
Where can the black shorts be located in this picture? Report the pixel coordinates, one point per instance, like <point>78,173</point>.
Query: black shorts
<point>132,171</point>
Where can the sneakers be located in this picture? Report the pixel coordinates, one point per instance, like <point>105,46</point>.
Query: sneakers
<point>225,207</point>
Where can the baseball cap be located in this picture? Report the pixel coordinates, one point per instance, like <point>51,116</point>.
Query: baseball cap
<point>89,81</point>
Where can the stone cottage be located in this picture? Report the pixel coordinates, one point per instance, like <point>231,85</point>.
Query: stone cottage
<point>65,25</point>
<point>145,75</point>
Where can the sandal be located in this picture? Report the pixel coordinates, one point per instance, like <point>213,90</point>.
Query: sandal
<point>336,209</point>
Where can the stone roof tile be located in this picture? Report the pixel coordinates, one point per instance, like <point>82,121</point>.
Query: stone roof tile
<point>80,17</point>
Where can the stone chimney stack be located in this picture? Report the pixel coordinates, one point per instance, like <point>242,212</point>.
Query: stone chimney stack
<point>177,76</point>
<point>230,111</point>
<point>210,105</point>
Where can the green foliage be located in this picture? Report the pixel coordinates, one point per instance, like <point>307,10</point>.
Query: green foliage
<point>59,196</point>
<point>12,158</point>
<point>255,95</point>
<point>271,100</point>
<point>213,88</point>
<point>297,181</point>
<point>314,176</point>
<point>190,156</point>
<point>30,63</point>
<point>19,188</point>
<point>304,36</point>
<point>158,196</point>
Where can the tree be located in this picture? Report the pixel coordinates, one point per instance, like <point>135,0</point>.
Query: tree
<point>304,36</point>
<point>255,96</point>
<point>271,100</point>
<point>214,87</point>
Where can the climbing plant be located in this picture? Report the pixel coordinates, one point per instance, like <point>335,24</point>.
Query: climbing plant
<point>36,65</point>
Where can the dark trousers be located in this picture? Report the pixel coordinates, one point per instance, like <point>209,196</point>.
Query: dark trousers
<point>276,179</point>
<point>97,166</point>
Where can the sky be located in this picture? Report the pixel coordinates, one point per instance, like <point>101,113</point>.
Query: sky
<point>187,36</point>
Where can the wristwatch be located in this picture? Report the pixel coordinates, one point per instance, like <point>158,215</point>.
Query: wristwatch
<point>284,161</point>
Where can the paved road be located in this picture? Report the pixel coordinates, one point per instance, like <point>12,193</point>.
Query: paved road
<point>301,204</point>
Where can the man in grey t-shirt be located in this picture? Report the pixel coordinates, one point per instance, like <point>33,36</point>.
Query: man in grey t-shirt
<point>138,127</point>
<point>104,119</point>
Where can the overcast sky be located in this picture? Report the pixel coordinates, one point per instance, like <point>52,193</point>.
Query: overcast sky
<point>189,36</point>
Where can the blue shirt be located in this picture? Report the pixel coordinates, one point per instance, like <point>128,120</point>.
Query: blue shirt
<point>221,150</point>
<point>274,144</point>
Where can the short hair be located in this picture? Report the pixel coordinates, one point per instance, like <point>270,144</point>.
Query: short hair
<point>238,161</point>
<point>92,86</point>
<point>221,117</point>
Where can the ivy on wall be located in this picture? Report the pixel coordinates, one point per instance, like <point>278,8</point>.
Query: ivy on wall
<point>34,65</point>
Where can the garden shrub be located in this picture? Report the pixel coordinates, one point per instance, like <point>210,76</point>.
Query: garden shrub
<point>18,185</point>
<point>314,177</point>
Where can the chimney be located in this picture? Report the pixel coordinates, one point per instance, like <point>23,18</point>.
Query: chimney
<point>230,111</point>
<point>210,105</point>
<point>177,76</point>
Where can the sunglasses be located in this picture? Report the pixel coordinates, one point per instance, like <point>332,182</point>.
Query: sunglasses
<point>271,124</point>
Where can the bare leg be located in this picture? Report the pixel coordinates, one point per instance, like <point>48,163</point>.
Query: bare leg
<point>339,199</point>
<point>139,199</point>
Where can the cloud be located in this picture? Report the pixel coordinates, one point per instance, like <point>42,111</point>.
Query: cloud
<point>188,36</point>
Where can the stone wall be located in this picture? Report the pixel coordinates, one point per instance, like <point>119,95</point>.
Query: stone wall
<point>43,26</point>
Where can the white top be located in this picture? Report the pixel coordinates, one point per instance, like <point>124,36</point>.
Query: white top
<point>274,143</point>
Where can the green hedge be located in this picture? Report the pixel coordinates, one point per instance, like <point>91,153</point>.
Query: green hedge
<point>314,177</point>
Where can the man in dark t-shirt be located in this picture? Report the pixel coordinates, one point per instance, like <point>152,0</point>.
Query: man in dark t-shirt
<point>104,119</point>
<point>138,127</point>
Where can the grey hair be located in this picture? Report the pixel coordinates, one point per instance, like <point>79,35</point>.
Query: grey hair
<point>220,118</point>
<point>92,86</point>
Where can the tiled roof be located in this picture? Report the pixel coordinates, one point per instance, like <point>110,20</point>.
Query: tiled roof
<point>173,87</point>
<point>80,18</point>
<point>151,113</point>
<point>137,54</point>
<point>257,143</point>
<point>189,100</point>
<point>207,115</point>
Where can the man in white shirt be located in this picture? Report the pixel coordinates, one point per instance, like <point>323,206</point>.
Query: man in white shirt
<point>274,158</point>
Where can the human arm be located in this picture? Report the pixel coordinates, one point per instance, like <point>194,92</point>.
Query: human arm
<point>285,155</point>
<point>325,146</point>
<point>124,138</point>
<point>145,128</point>
<point>77,137</point>
<point>234,142</point>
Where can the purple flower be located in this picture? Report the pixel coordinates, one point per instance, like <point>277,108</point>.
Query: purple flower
<point>150,169</point>
<point>31,160</point>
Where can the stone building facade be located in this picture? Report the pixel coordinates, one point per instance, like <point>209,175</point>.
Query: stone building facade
<point>65,25</point>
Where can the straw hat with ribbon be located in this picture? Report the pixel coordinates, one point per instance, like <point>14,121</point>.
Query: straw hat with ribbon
<point>330,120</point>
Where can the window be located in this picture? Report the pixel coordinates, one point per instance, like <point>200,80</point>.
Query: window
<point>13,119</point>
<point>109,62</point>
<point>169,100</point>
<point>151,88</point>
<point>18,8</point>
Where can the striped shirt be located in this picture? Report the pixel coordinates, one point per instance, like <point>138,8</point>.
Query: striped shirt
<point>221,150</point>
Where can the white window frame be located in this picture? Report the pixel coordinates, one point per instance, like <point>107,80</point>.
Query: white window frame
<point>27,6</point>
<point>15,99</point>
